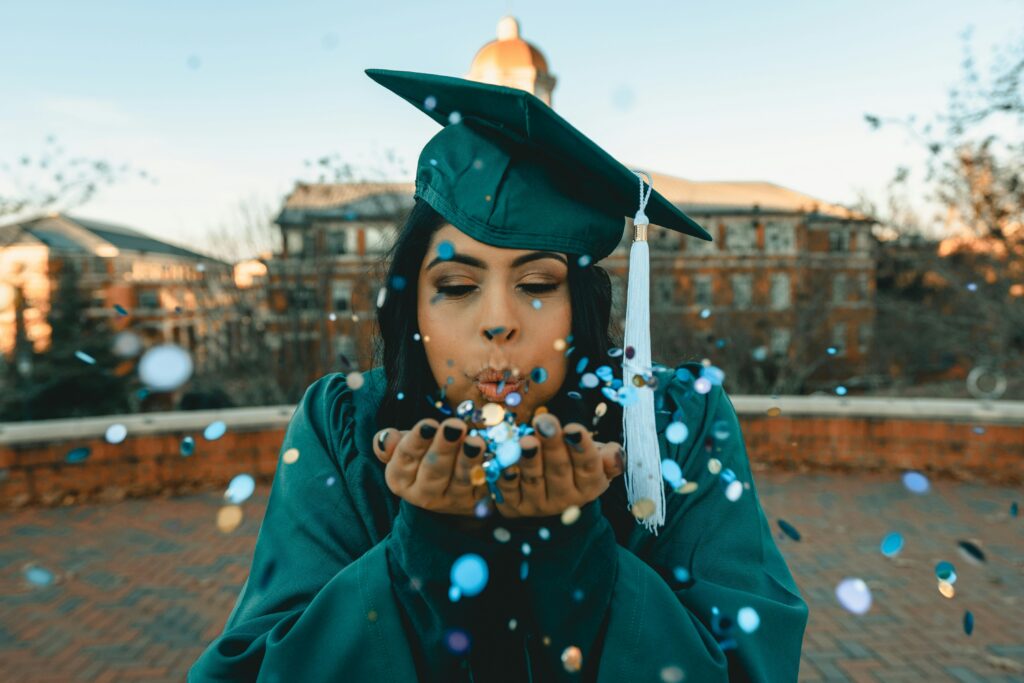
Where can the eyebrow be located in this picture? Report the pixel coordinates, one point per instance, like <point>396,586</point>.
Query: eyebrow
<point>477,263</point>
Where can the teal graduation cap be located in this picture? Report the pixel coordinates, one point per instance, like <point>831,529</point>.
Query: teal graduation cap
<point>510,172</point>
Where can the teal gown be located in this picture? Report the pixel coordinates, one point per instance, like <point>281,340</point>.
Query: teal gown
<point>349,583</point>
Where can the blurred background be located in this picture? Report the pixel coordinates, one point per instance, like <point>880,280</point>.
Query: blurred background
<point>194,202</point>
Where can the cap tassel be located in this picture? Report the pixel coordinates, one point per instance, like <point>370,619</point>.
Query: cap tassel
<point>643,457</point>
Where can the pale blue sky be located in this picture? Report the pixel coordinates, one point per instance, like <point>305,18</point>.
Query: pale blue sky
<point>707,91</point>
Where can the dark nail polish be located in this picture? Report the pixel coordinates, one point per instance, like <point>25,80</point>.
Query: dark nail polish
<point>427,431</point>
<point>382,439</point>
<point>452,433</point>
<point>574,437</point>
<point>529,452</point>
<point>510,475</point>
<point>470,450</point>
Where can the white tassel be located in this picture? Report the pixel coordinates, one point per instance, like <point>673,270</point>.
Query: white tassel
<point>643,457</point>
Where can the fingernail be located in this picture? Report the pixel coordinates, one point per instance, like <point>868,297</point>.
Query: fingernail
<point>382,439</point>
<point>427,431</point>
<point>452,433</point>
<point>470,450</point>
<point>546,427</point>
<point>574,437</point>
<point>509,475</point>
<point>529,452</point>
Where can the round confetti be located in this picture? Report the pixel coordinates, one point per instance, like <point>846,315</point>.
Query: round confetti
<point>445,250</point>
<point>916,482</point>
<point>354,380</point>
<point>493,414</point>
<point>513,399</point>
<point>559,345</point>
<point>430,103</point>
<point>465,409</point>
<point>748,619</point>
<point>687,487</point>
<point>240,488</point>
<point>672,472</point>
<point>677,432</point>
<point>774,411</point>
<point>733,491</point>
<point>508,453</point>
<point>38,576</point>
<point>853,595</point>
<point>720,430</point>
<point>544,533</point>
<point>397,283</point>
<point>457,641</point>
<point>502,535</point>
<point>702,385</point>
<point>681,574</point>
<point>127,344</point>
<point>454,117</point>
<point>165,367</point>
<point>290,456</point>
<point>672,674</point>
<point>382,296</point>
<point>215,430</point>
<point>714,465</point>
<point>584,261</point>
<point>570,515</point>
<point>947,589</point>
<point>477,476</point>
<point>85,358</point>
<point>188,446</point>
<point>971,552</point>
<point>469,574</point>
<point>77,454</point>
<point>643,508</point>
<point>116,433</point>
<point>968,622</point>
<point>572,659</point>
<point>892,544</point>
<point>841,390</point>
<point>228,518</point>
<point>589,381</point>
<point>945,571</point>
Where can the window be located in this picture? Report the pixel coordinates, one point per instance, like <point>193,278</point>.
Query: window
<point>345,348</point>
<point>696,245</point>
<point>864,286</point>
<point>294,242</point>
<point>664,240</point>
<point>742,286</point>
<point>864,338</point>
<point>341,295</point>
<point>780,341</point>
<point>839,289</point>
<point>301,298</point>
<point>839,239</point>
<point>839,338</point>
<point>148,299</point>
<point>780,291</point>
<point>663,295</point>
<point>741,237</point>
<point>779,238</point>
<point>703,290</point>
<point>336,242</point>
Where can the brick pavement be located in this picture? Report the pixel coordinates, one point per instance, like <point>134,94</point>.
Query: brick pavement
<point>143,585</point>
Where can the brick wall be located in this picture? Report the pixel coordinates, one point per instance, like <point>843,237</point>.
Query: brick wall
<point>970,440</point>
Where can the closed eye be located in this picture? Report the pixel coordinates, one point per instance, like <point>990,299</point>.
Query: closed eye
<point>456,291</point>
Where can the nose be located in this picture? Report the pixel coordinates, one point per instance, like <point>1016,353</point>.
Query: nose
<point>499,319</point>
<point>500,333</point>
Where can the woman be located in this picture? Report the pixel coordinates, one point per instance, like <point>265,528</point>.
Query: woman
<point>407,544</point>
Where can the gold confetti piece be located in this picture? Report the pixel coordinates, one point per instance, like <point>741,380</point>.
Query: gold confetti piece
<point>570,515</point>
<point>572,659</point>
<point>947,589</point>
<point>638,381</point>
<point>372,615</point>
<point>601,409</point>
<point>354,380</point>
<point>477,476</point>
<point>688,487</point>
<point>540,410</point>
<point>546,640</point>
<point>290,456</point>
<point>714,465</point>
<point>228,518</point>
<point>559,345</point>
<point>493,414</point>
<point>426,338</point>
<point>774,411</point>
<point>643,508</point>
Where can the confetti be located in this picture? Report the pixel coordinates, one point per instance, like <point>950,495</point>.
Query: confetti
<point>676,433</point>
<point>643,508</point>
<point>215,430</point>
<point>572,659</point>
<point>714,465</point>
<point>570,515</point>
<point>971,552</point>
<point>77,454</point>
<point>188,446</point>
<point>354,380</point>
<point>38,576</point>
<point>228,518</point>
<point>945,571</point>
<point>116,433</point>
<point>968,622</point>
<point>165,367</point>
<point>469,574</point>
<point>290,456</point>
<point>502,535</point>
<point>445,250</point>
<point>672,473</point>
<point>457,641</point>
<point>672,674</point>
<point>853,594</point>
<point>789,529</point>
<point>892,544</point>
<point>748,619</point>
<point>915,482</point>
<point>85,358</point>
<point>240,488</point>
<point>493,414</point>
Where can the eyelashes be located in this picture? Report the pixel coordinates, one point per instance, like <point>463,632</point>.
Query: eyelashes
<point>457,291</point>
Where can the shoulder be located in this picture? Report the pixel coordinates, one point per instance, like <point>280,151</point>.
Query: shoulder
<point>689,401</point>
<point>340,408</point>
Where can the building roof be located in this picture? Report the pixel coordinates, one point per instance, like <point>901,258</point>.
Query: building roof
<point>508,52</point>
<point>69,234</point>
<point>345,201</point>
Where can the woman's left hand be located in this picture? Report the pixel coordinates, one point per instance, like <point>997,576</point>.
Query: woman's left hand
<point>558,468</point>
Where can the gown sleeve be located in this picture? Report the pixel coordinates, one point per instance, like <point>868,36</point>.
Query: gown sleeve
<point>712,597</point>
<point>317,604</point>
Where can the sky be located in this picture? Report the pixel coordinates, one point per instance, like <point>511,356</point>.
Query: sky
<point>223,103</point>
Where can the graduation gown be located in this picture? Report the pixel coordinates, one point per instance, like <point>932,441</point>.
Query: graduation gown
<point>349,583</point>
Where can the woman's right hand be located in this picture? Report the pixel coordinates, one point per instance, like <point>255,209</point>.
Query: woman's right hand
<point>429,465</point>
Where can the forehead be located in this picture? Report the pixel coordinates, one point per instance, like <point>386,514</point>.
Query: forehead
<point>463,243</point>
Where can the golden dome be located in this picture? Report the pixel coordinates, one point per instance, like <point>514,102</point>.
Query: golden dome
<point>509,51</point>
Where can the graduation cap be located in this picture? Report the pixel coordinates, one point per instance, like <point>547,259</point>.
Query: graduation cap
<point>508,171</point>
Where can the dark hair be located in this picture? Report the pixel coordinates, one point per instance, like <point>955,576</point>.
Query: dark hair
<point>404,360</point>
